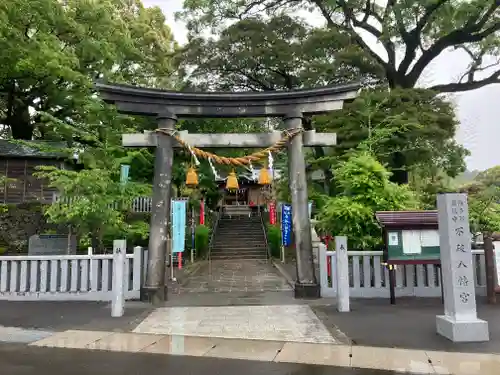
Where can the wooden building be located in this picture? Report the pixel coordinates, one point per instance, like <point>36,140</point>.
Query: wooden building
<point>18,162</point>
<point>250,192</point>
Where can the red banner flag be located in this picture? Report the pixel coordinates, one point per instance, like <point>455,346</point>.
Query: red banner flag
<point>272,213</point>
<point>202,212</point>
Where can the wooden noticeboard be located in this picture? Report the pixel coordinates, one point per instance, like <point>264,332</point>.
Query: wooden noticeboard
<point>412,246</point>
<point>410,237</point>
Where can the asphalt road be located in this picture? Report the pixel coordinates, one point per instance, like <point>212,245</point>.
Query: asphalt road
<point>16,359</point>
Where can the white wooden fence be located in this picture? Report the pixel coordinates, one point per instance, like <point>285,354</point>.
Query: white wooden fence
<point>67,277</point>
<point>139,204</point>
<point>368,278</point>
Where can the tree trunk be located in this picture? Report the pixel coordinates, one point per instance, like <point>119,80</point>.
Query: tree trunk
<point>399,172</point>
<point>489,259</point>
<point>20,123</point>
<point>96,241</point>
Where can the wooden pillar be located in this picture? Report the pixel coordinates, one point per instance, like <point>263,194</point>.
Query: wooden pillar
<point>155,289</point>
<point>306,285</point>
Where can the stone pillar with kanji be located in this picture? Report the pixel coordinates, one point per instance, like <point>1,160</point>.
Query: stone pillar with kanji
<point>459,322</point>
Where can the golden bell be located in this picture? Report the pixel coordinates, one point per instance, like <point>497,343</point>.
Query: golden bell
<point>232,182</point>
<point>191,177</point>
<point>264,177</point>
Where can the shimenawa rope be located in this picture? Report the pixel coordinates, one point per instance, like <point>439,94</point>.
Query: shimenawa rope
<point>240,161</point>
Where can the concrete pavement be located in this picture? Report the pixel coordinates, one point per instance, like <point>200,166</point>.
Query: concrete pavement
<point>337,356</point>
<point>21,360</point>
<point>410,324</point>
<point>261,326</point>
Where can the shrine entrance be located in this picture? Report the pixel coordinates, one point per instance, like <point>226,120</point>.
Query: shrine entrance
<point>168,106</point>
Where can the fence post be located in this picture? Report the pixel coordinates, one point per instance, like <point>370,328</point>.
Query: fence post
<point>323,271</point>
<point>342,268</point>
<point>137,269</point>
<point>118,293</point>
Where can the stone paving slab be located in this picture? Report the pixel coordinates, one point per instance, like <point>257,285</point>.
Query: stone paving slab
<point>371,359</point>
<point>235,276</point>
<point>19,335</point>
<point>31,360</point>
<point>289,323</point>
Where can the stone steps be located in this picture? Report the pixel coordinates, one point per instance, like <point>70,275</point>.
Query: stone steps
<point>239,238</point>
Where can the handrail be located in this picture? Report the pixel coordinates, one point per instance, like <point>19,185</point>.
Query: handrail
<point>212,235</point>
<point>265,233</point>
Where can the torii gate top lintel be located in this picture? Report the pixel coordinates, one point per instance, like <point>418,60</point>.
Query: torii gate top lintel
<point>152,102</point>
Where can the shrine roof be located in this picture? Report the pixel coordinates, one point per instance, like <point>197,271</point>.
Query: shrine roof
<point>32,149</point>
<point>395,219</point>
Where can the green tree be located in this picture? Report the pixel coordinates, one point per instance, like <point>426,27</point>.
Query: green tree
<point>363,188</point>
<point>405,129</point>
<point>423,29</point>
<point>93,202</point>
<point>52,51</point>
<point>257,54</point>
<point>283,53</point>
<point>484,217</point>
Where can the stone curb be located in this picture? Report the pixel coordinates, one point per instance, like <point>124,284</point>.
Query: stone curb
<point>284,273</point>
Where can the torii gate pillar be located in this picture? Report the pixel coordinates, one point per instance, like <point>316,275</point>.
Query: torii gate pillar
<point>155,289</point>
<point>306,285</point>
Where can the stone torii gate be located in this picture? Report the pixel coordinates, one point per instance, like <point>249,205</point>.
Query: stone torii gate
<point>168,106</point>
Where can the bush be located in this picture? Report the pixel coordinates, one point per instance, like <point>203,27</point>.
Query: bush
<point>364,187</point>
<point>274,240</point>
<point>201,240</point>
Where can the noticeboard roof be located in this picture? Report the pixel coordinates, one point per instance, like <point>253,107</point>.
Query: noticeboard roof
<point>407,219</point>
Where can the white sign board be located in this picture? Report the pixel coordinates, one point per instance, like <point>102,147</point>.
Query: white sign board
<point>411,242</point>
<point>393,239</point>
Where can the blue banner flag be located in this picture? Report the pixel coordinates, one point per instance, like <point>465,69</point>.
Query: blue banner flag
<point>286,224</point>
<point>178,208</point>
<point>124,170</point>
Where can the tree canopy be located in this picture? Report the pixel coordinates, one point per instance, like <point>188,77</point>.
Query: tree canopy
<point>400,37</point>
<point>52,51</point>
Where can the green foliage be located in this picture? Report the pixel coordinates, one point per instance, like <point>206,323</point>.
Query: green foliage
<point>423,29</point>
<point>274,240</point>
<point>363,187</point>
<point>52,51</point>
<point>92,201</point>
<point>201,240</point>
<point>429,181</point>
<point>484,201</point>
<point>404,129</point>
<point>267,54</point>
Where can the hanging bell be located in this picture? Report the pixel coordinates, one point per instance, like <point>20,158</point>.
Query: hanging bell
<point>191,177</point>
<point>264,176</point>
<point>232,181</point>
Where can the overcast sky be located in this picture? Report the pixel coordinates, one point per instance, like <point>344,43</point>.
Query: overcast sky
<point>478,110</point>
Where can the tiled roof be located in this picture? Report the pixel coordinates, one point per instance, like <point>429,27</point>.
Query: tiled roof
<point>407,218</point>
<point>22,149</point>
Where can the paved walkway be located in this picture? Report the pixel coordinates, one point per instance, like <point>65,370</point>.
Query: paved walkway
<point>223,276</point>
<point>290,323</point>
<point>410,324</point>
<point>22,360</point>
<point>339,356</point>
<point>375,335</point>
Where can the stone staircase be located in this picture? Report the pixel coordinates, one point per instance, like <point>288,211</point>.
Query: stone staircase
<point>239,236</point>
